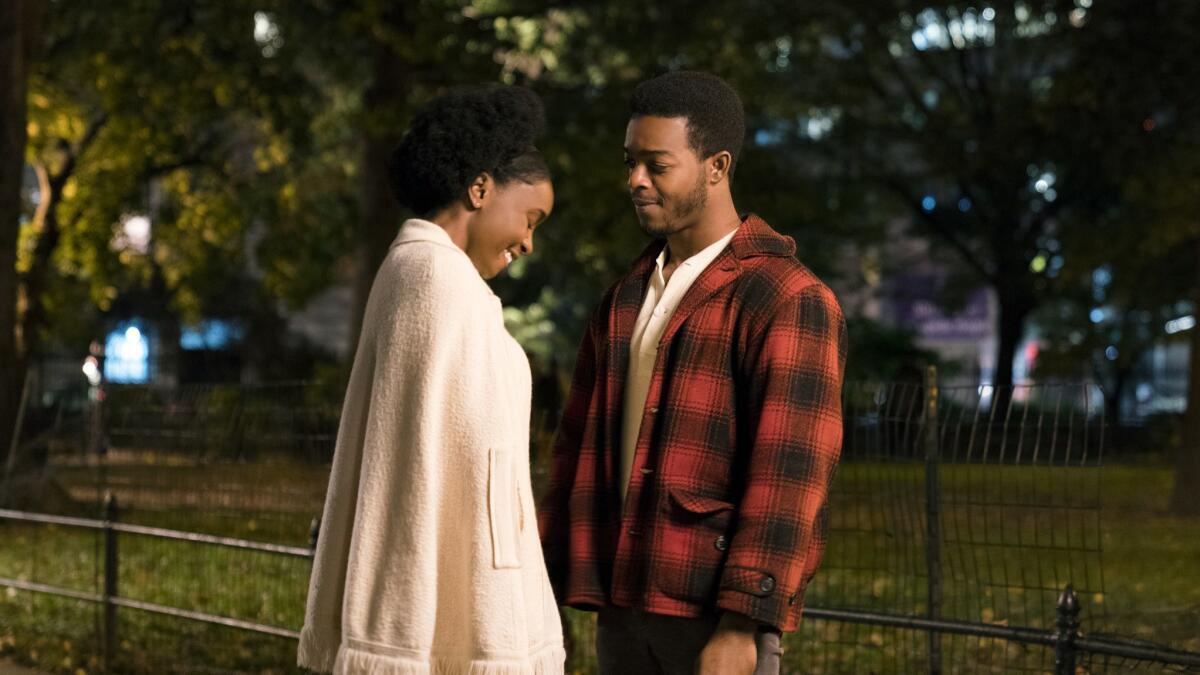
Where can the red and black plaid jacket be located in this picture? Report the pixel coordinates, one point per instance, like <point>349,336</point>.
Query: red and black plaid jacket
<point>741,435</point>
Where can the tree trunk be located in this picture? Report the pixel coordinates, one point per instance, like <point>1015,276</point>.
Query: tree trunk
<point>37,279</point>
<point>1185,498</point>
<point>1014,309</point>
<point>16,28</point>
<point>380,214</point>
<point>1114,394</point>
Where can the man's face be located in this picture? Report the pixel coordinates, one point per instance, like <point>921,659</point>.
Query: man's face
<point>666,177</point>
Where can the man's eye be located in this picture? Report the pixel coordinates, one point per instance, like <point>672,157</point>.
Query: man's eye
<point>629,164</point>
<point>658,168</point>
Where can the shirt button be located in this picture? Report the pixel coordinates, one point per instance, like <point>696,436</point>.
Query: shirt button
<point>647,472</point>
<point>766,585</point>
<point>721,543</point>
<point>654,410</point>
<point>634,533</point>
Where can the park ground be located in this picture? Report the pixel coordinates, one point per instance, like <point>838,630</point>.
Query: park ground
<point>1139,574</point>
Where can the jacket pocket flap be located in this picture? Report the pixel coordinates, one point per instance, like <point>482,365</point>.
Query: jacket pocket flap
<point>697,504</point>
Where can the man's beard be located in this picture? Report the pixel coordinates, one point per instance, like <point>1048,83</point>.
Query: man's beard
<point>675,219</point>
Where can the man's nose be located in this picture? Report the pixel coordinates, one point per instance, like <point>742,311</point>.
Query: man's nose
<point>638,178</point>
<point>527,244</point>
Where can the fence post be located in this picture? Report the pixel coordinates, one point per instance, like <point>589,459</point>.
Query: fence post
<point>933,515</point>
<point>313,531</point>
<point>111,559</point>
<point>14,447</point>
<point>1068,631</point>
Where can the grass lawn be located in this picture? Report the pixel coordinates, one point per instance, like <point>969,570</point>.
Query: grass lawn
<point>1012,538</point>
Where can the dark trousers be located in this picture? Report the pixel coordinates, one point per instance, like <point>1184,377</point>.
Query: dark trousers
<point>629,642</point>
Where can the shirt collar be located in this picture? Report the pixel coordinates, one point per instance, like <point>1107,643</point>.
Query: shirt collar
<point>701,259</point>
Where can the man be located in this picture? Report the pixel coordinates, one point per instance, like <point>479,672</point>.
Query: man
<point>687,499</point>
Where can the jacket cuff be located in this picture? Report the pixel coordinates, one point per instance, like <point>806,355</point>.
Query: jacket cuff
<point>758,594</point>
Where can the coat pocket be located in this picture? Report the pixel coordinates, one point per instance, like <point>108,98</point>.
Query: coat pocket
<point>503,510</point>
<point>695,537</point>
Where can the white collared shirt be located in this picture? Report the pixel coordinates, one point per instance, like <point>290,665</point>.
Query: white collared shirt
<point>662,297</point>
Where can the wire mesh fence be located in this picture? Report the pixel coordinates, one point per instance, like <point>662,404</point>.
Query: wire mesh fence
<point>243,460</point>
<point>238,461</point>
<point>958,504</point>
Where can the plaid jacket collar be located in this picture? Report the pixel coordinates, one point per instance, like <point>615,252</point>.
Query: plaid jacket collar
<point>754,238</point>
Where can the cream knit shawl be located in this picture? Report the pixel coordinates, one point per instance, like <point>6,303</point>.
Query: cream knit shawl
<point>428,559</point>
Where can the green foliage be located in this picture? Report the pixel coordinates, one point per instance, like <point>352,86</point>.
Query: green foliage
<point>174,113</point>
<point>239,128</point>
<point>584,62</point>
<point>879,353</point>
<point>1134,252</point>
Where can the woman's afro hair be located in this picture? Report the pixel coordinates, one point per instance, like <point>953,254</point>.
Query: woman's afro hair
<point>462,134</point>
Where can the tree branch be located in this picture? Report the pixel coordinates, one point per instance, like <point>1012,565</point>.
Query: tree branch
<point>59,179</point>
<point>534,8</point>
<point>932,70</point>
<point>942,229</point>
<point>44,194</point>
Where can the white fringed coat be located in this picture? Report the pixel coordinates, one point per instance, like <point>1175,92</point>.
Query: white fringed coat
<point>428,558</point>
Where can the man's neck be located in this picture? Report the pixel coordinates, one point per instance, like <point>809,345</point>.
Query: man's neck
<point>713,224</point>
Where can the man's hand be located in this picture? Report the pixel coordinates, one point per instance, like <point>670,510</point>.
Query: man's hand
<point>731,650</point>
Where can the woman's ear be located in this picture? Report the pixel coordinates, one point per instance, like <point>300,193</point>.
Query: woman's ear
<point>480,190</point>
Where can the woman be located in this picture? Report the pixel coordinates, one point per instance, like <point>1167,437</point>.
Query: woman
<point>428,559</point>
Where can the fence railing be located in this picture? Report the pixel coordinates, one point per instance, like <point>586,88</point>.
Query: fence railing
<point>110,598</point>
<point>1065,639</point>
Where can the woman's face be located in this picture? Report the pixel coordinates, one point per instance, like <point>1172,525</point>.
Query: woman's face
<point>501,229</point>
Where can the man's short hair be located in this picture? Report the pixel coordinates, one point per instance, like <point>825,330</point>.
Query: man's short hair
<point>715,118</point>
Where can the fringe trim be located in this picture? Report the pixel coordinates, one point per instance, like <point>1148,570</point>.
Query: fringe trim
<point>316,654</point>
<point>548,661</point>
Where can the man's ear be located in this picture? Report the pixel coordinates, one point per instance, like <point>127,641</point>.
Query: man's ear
<point>717,167</point>
<point>480,190</point>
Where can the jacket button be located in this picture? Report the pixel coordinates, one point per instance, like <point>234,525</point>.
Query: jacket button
<point>792,598</point>
<point>721,543</point>
<point>766,585</point>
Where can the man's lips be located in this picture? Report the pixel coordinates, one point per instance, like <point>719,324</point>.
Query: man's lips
<point>642,198</point>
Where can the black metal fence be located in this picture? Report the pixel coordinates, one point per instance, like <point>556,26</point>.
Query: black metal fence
<point>966,535</point>
<point>213,481</point>
<point>110,597</point>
